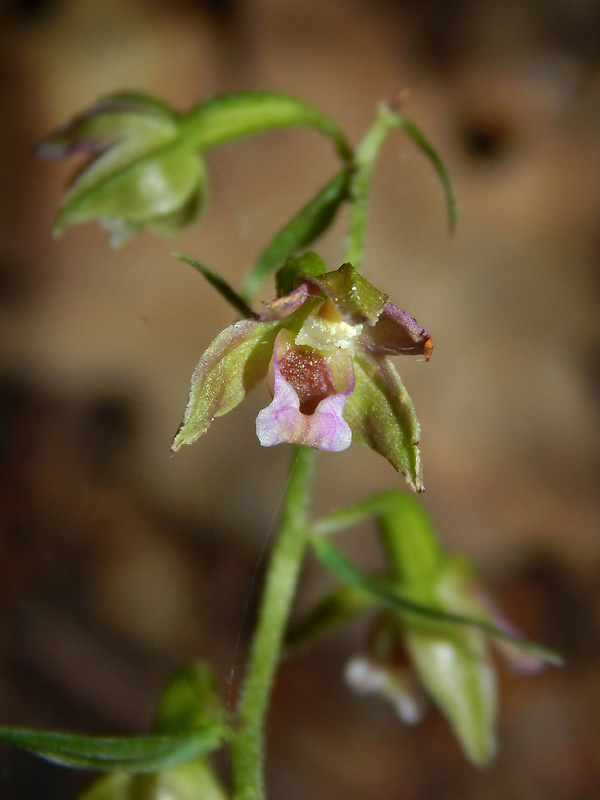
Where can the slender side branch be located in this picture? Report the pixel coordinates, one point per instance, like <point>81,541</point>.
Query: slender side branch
<point>360,185</point>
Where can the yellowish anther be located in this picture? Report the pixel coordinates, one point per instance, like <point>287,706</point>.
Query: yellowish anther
<point>329,312</point>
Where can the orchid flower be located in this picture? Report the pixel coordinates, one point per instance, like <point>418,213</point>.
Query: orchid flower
<point>139,175</point>
<point>410,656</point>
<point>324,348</point>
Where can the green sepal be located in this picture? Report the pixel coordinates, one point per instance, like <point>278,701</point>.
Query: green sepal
<point>307,225</point>
<point>106,753</point>
<point>194,780</point>
<point>382,416</point>
<point>190,700</point>
<point>135,123</point>
<point>455,666</point>
<point>230,368</point>
<point>355,298</point>
<point>297,267</point>
<point>385,593</point>
<point>336,608</point>
<point>410,542</point>
<point>220,284</point>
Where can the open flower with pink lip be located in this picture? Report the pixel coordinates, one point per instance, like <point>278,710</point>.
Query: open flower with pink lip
<point>324,348</point>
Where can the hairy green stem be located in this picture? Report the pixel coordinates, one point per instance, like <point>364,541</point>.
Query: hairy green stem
<point>247,747</point>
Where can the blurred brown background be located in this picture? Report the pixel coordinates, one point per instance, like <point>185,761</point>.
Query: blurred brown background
<point>118,561</point>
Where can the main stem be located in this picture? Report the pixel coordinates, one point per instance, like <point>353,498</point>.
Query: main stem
<point>247,747</point>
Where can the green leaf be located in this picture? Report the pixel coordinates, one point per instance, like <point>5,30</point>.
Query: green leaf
<point>382,416</point>
<point>220,284</point>
<point>426,148</point>
<point>334,560</point>
<point>307,225</point>
<point>133,754</point>
<point>190,700</point>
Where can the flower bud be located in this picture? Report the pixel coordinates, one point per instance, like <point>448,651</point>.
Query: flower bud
<point>194,780</point>
<point>451,659</point>
<point>141,175</point>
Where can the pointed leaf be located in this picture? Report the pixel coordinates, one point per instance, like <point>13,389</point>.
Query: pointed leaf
<point>337,563</point>
<point>426,148</point>
<point>307,225</point>
<point>134,754</point>
<point>220,284</point>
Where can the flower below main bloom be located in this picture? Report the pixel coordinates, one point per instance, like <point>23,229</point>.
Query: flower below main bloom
<point>324,347</point>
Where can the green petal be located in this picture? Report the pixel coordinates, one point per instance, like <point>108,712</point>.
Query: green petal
<point>454,664</point>
<point>114,786</point>
<point>381,415</point>
<point>192,781</point>
<point>233,364</point>
<point>135,139</point>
